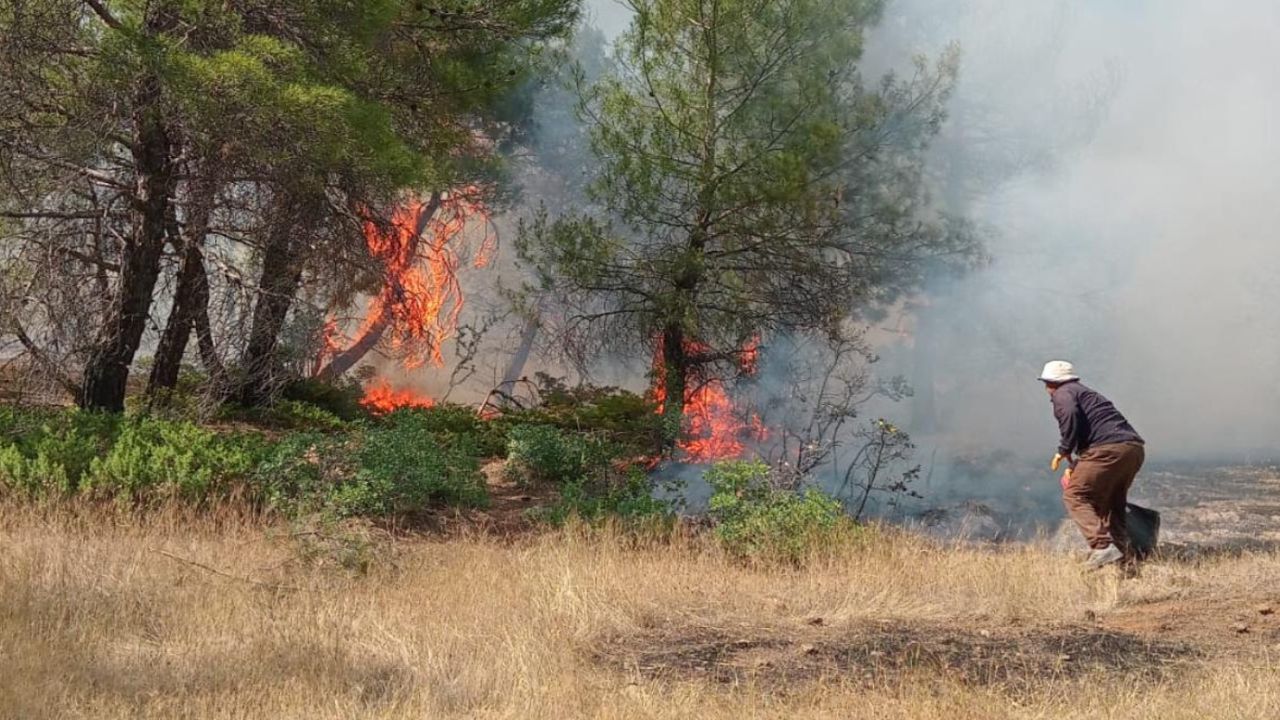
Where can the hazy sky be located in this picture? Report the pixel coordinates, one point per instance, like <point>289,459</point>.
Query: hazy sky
<point>1147,252</point>
<point>611,16</point>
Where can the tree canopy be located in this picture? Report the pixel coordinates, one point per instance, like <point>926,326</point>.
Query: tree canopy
<point>749,183</point>
<point>137,132</point>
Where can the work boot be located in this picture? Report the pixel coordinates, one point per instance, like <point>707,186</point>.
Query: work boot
<point>1105,556</point>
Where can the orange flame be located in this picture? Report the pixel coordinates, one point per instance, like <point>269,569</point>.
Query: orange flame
<point>422,299</point>
<point>714,428</point>
<point>382,398</point>
<point>418,307</point>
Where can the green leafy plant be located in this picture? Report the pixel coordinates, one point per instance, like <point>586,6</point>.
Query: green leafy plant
<point>629,499</point>
<point>296,473</point>
<point>169,458</point>
<point>340,398</point>
<point>50,450</point>
<point>490,438</point>
<point>403,468</point>
<point>547,454</point>
<point>397,465</point>
<point>756,520</point>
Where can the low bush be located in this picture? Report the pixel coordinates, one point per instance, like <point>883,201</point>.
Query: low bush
<point>626,420</point>
<point>154,457</point>
<point>46,451</point>
<point>629,499</point>
<point>489,438</point>
<point>340,398</point>
<point>402,468</point>
<point>285,415</point>
<point>392,468</point>
<point>756,520</point>
<point>297,472</point>
<point>547,454</point>
<point>397,465</point>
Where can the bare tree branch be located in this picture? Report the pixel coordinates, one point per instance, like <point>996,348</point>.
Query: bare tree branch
<point>104,14</point>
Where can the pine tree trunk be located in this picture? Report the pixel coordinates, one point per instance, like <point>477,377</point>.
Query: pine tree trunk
<point>347,359</point>
<point>106,372</point>
<point>192,290</point>
<point>204,334</point>
<point>281,276</point>
<point>675,378</point>
<point>177,330</point>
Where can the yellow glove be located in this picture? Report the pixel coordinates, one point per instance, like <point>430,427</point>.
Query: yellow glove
<point>1057,461</point>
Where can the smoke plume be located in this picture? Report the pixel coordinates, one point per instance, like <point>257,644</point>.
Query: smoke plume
<point>1123,159</point>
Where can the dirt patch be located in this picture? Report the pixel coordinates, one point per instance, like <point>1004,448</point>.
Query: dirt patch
<point>889,653</point>
<point>1225,626</point>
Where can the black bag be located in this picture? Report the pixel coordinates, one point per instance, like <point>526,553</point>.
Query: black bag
<point>1143,525</point>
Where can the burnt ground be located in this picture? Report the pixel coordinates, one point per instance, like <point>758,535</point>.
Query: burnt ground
<point>1214,507</point>
<point>1011,659</point>
<point>1205,509</point>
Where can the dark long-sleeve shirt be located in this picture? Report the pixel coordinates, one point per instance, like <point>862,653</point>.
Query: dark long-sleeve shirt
<point>1086,418</point>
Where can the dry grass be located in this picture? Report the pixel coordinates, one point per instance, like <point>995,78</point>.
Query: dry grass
<point>187,618</point>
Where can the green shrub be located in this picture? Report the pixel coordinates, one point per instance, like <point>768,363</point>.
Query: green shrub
<point>541,453</point>
<point>296,414</point>
<point>758,521</point>
<point>341,398</point>
<point>630,499</point>
<point>285,415</point>
<point>402,469</point>
<point>490,438</point>
<point>396,465</point>
<point>627,421</point>
<point>171,458</point>
<point>33,475</point>
<point>50,450</point>
<point>547,454</point>
<point>391,468</point>
<point>296,474</point>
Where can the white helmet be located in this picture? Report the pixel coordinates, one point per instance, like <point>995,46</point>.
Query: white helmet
<point>1058,371</point>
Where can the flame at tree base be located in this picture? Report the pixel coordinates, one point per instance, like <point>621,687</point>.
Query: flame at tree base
<point>382,398</point>
<point>714,428</point>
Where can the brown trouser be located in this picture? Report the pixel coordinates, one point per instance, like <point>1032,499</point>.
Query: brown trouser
<point>1099,488</point>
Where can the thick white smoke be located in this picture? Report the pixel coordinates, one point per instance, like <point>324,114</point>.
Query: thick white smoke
<point>1126,158</point>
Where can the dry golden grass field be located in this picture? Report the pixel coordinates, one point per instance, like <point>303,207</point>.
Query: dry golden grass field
<point>173,617</point>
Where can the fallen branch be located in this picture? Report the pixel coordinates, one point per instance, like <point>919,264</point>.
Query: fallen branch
<point>216,571</point>
<point>41,358</point>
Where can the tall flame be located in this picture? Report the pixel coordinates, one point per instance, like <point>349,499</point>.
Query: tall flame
<point>422,298</point>
<point>417,309</point>
<point>715,429</point>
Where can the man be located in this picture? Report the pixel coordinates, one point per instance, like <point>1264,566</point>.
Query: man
<point>1107,452</point>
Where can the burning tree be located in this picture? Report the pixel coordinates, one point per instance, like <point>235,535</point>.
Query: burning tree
<point>419,301</point>
<point>140,138</point>
<point>715,427</point>
<point>749,184</point>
